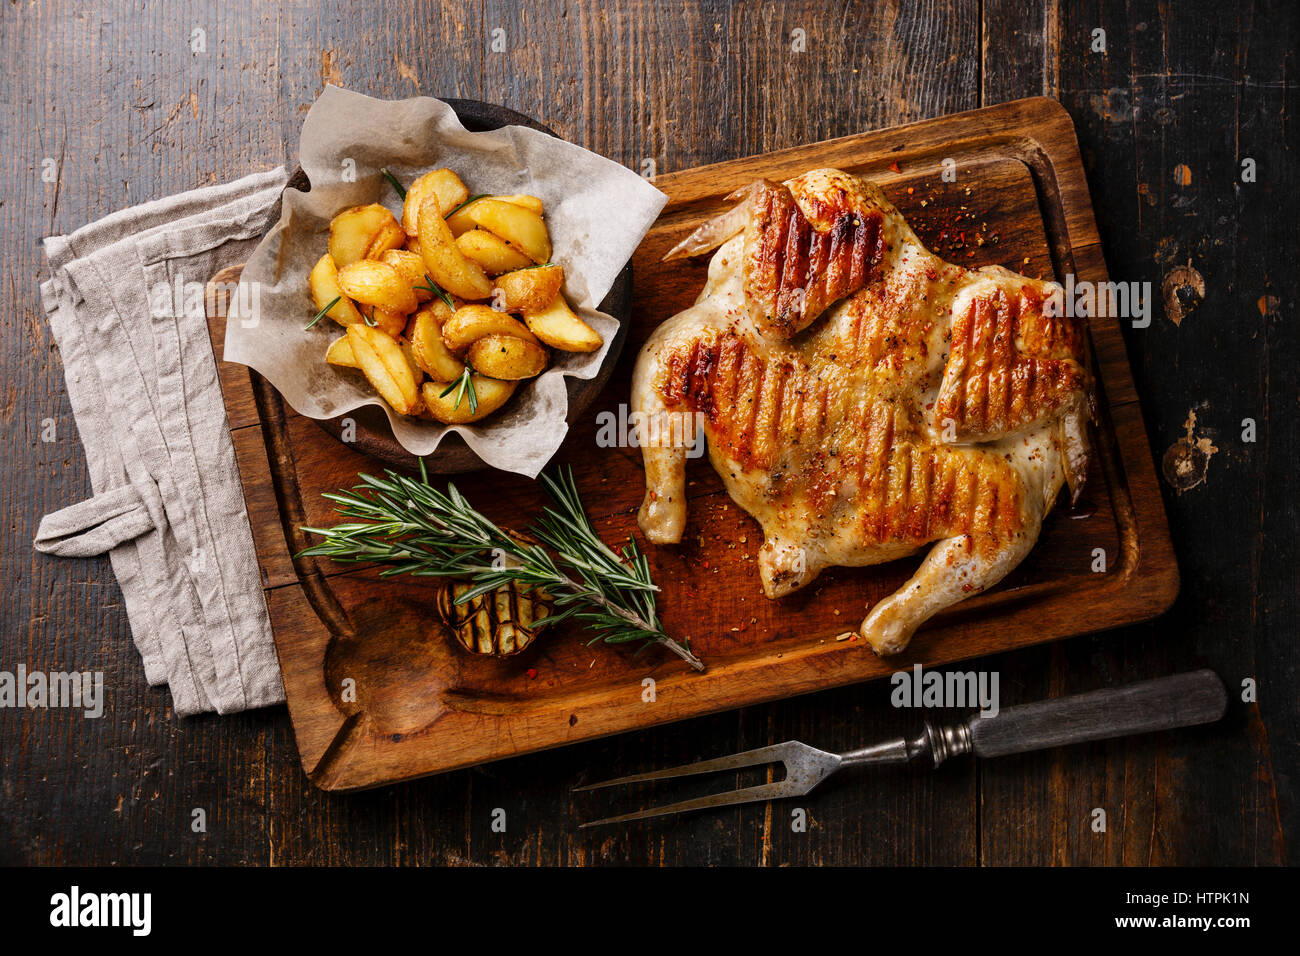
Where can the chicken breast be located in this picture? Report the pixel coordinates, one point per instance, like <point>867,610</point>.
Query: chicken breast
<point>862,398</point>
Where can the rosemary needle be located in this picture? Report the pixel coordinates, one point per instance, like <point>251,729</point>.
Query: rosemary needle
<point>471,199</point>
<point>416,529</point>
<point>322,313</point>
<point>434,288</point>
<point>401,190</point>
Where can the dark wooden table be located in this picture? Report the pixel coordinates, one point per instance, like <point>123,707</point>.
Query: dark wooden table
<point>128,109</point>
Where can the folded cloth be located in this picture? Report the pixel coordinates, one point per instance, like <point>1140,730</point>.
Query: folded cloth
<point>126,306</point>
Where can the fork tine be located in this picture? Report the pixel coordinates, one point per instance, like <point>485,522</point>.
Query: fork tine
<point>748,758</point>
<point>767,791</point>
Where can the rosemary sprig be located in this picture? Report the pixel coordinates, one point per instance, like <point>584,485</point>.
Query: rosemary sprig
<point>323,312</point>
<point>465,384</point>
<point>401,190</point>
<point>415,529</point>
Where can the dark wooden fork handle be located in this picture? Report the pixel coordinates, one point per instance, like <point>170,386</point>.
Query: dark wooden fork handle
<point>1184,700</point>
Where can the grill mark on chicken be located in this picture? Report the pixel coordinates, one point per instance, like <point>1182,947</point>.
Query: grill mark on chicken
<point>794,271</point>
<point>1011,364</point>
<point>767,420</point>
<point>727,362</point>
<point>792,409</point>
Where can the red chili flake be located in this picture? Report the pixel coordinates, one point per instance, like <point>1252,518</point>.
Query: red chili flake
<point>893,167</point>
<point>910,190</point>
<point>531,672</point>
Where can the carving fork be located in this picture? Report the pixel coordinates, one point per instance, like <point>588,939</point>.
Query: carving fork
<point>1183,700</point>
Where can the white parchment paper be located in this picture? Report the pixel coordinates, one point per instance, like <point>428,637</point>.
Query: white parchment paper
<point>597,211</point>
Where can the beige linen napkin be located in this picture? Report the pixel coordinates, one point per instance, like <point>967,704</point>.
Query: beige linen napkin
<point>125,305</point>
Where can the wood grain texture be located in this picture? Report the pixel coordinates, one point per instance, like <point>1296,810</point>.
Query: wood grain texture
<point>1180,86</point>
<point>129,112</point>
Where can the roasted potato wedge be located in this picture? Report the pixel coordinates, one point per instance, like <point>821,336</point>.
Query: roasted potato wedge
<point>390,236</point>
<point>340,353</point>
<point>491,394</point>
<point>390,323</point>
<point>442,311</point>
<point>490,252</point>
<point>324,284</point>
<point>460,222</point>
<point>561,328</point>
<point>358,232</point>
<point>410,267</point>
<point>507,357</point>
<point>383,362</point>
<point>531,203</point>
<point>521,228</point>
<point>431,353</point>
<point>528,289</point>
<point>379,284</point>
<point>445,263</point>
<point>443,184</point>
<point>472,322</point>
<point>408,350</point>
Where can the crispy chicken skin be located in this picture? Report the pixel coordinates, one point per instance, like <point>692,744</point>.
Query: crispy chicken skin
<point>862,398</point>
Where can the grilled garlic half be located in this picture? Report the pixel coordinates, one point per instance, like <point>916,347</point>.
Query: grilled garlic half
<point>499,623</point>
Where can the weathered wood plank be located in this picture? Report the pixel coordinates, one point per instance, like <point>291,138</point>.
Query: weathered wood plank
<point>1174,88</point>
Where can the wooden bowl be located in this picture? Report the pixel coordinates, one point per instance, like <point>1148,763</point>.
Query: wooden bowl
<point>372,433</point>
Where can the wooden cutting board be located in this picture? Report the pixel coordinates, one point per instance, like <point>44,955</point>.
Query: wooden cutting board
<point>422,706</point>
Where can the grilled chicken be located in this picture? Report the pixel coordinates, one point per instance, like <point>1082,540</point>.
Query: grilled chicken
<point>862,398</point>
